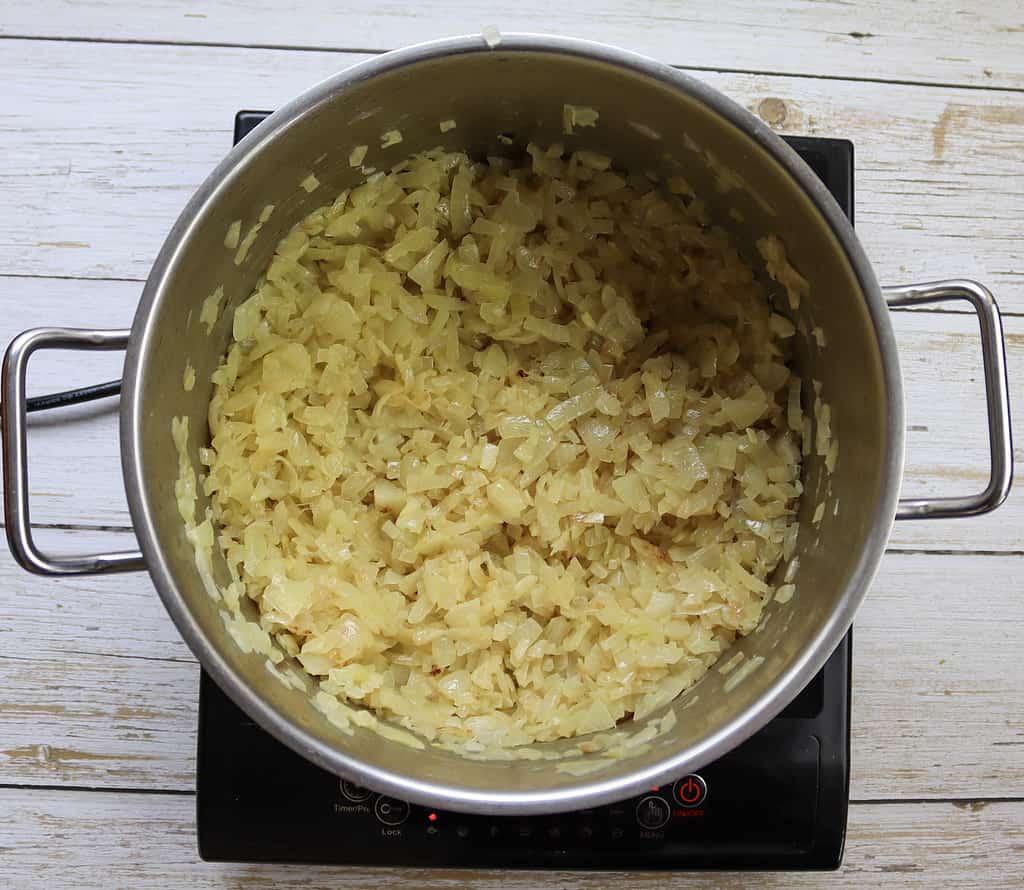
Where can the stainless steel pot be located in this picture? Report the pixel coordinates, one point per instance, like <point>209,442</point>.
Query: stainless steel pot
<point>651,118</point>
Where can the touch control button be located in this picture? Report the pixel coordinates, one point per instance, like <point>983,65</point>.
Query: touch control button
<point>353,792</point>
<point>653,813</point>
<point>391,811</point>
<point>690,791</point>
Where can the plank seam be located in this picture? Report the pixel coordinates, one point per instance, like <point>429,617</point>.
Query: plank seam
<point>139,41</point>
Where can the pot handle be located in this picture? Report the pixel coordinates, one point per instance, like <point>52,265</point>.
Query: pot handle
<point>997,398</point>
<point>15,454</point>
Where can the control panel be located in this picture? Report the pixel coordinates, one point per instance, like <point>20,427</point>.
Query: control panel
<point>778,800</point>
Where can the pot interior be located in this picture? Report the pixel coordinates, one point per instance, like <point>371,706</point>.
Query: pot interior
<point>650,120</point>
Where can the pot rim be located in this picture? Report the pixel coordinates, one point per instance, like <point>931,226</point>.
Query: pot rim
<point>588,791</point>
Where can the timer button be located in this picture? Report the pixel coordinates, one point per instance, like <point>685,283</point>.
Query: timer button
<point>353,792</point>
<point>391,811</point>
<point>690,791</point>
<point>653,813</point>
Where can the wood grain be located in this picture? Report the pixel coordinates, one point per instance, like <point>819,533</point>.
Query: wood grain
<point>111,721</point>
<point>72,839</point>
<point>75,619</point>
<point>934,41</point>
<point>936,679</point>
<point>98,690</point>
<point>946,441</point>
<point>102,149</point>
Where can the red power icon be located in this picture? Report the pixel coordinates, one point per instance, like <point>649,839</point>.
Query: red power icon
<point>691,791</point>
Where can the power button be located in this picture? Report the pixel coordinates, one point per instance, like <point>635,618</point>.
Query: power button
<point>690,791</point>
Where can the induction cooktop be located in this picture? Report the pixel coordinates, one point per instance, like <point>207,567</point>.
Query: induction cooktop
<point>778,801</point>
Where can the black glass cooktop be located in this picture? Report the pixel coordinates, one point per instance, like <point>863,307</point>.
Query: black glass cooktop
<point>779,801</point>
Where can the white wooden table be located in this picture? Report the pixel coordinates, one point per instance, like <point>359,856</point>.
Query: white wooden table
<point>111,113</point>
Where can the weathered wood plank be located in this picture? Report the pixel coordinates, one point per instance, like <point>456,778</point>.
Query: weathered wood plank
<point>104,144</point>
<point>88,616</point>
<point>936,679</point>
<point>934,42</point>
<point>946,444</point>
<point>75,839</point>
<point>98,690</point>
<point>77,719</point>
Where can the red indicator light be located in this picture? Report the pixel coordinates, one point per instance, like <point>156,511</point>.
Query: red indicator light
<point>656,788</point>
<point>432,817</point>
